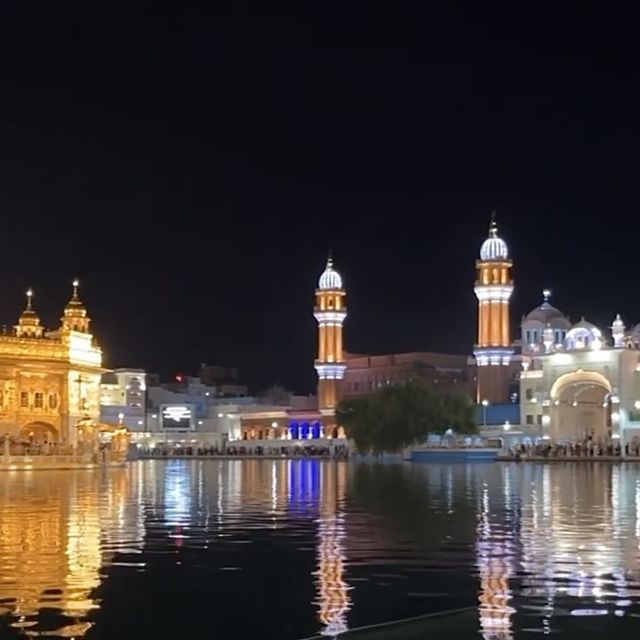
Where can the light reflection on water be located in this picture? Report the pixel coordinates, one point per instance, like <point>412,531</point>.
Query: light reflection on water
<point>292,548</point>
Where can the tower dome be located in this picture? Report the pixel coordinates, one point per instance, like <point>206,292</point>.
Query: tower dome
<point>29,323</point>
<point>330,280</point>
<point>75,315</point>
<point>494,247</point>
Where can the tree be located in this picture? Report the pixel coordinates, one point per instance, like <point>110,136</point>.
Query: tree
<point>396,417</point>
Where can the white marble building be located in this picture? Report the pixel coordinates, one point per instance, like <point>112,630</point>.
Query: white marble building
<point>577,382</point>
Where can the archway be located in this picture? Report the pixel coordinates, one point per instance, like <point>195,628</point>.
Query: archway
<point>580,408</point>
<point>39,433</point>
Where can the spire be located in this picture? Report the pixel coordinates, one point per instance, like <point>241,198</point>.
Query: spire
<point>330,260</point>
<point>29,323</point>
<point>546,294</point>
<point>493,226</point>
<point>75,315</point>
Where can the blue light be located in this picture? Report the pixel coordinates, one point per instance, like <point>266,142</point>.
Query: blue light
<point>294,430</point>
<point>304,430</point>
<point>315,430</point>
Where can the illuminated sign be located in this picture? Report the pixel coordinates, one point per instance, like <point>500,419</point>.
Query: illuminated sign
<point>177,417</point>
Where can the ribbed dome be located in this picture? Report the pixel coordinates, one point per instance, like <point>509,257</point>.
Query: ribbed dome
<point>330,278</point>
<point>584,335</point>
<point>547,314</point>
<point>585,324</point>
<point>494,248</point>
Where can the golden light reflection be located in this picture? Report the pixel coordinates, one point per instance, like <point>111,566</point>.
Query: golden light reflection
<point>54,540</point>
<point>495,567</point>
<point>333,600</point>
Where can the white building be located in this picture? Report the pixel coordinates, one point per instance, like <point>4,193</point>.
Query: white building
<point>123,398</point>
<point>576,383</point>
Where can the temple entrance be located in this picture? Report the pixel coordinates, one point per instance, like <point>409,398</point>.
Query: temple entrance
<point>581,408</point>
<point>39,433</point>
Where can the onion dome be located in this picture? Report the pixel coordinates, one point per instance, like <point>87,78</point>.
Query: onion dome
<point>494,247</point>
<point>547,315</point>
<point>330,280</point>
<point>75,314</point>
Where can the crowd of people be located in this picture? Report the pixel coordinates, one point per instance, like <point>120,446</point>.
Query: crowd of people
<point>585,449</point>
<point>338,452</point>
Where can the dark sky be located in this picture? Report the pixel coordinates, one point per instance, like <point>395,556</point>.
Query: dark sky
<point>192,166</point>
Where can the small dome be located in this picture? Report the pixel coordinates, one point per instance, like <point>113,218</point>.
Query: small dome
<point>330,278</point>
<point>494,248</point>
<point>584,335</point>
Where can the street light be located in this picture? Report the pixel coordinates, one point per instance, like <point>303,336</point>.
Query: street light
<point>485,404</point>
<point>507,425</point>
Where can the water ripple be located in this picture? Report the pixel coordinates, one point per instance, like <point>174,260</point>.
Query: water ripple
<point>162,548</point>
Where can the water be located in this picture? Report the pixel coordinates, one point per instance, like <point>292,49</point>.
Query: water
<point>286,549</point>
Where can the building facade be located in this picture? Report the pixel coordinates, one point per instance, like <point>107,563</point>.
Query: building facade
<point>49,380</point>
<point>123,398</point>
<point>577,384</point>
<point>446,372</point>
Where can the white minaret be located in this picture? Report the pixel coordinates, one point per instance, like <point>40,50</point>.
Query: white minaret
<point>617,331</point>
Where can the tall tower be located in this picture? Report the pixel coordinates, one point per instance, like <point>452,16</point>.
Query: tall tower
<point>494,286</point>
<point>330,312</point>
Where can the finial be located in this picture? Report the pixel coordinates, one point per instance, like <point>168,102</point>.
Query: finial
<point>546,294</point>
<point>29,296</point>
<point>75,284</point>
<point>330,259</point>
<point>493,226</point>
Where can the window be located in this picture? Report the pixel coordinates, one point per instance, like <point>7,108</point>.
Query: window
<point>24,399</point>
<point>529,419</point>
<point>1,398</point>
<point>529,394</point>
<point>539,420</point>
<point>355,386</point>
<point>38,400</point>
<point>53,401</point>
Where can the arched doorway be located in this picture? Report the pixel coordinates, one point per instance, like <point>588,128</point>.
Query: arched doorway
<point>580,408</point>
<point>39,433</point>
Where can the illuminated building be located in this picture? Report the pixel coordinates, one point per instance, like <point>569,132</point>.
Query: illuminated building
<point>446,372</point>
<point>575,384</point>
<point>330,312</point>
<point>49,380</point>
<point>494,350</point>
<point>123,398</point>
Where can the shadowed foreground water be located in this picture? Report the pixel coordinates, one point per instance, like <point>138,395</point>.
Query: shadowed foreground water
<point>286,549</point>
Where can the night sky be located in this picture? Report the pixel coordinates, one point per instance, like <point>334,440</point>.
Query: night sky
<point>194,166</point>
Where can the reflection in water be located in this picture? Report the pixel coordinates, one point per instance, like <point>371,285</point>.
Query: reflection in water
<point>57,529</point>
<point>579,537</point>
<point>495,566</point>
<point>531,546</point>
<point>333,592</point>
